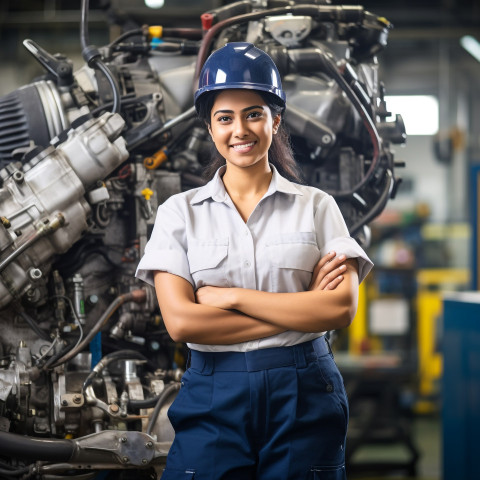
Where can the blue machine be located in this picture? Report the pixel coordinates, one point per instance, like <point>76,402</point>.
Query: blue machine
<point>461,386</point>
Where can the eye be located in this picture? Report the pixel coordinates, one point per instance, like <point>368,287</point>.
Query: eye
<point>255,114</point>
<point>223,119</point>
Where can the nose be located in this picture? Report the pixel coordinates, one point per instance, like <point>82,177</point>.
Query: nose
<point>240,128</point>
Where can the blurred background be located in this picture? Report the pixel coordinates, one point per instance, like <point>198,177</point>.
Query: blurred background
<point>409,388</point>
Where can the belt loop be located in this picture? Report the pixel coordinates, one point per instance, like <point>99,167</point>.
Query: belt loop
<point>328,344</point>
<point>299,355</point>
<point>189,359</point>
<point>209,364</point>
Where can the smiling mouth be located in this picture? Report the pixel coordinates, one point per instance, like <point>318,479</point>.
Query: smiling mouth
<point>243,147</point>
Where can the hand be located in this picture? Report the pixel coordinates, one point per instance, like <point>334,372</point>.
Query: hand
<point>328,273</point>
<point>215,297</point>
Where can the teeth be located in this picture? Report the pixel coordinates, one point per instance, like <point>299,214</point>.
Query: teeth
<point>244,146</point>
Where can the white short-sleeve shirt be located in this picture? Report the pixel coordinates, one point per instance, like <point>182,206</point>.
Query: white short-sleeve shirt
<point>200,236</point>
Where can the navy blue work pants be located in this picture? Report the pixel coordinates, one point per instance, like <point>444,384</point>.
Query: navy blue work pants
<point>272,414</point>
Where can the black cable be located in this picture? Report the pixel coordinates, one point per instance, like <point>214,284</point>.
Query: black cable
<point>367,121</point>
<point>128,99</point>
<point>32,324</point>
<point>146,403</point>
<point>113,84</point>
<point>377,208</point>
<point>60,354</point>
<point>93,58</point>
<point>160,403</point>
<point>84,40</point>
<point>123,36</point>
<point>14,473</point>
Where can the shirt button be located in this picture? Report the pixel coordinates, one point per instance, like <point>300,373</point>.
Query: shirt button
<point>247,263</point>
<point>247,233</point>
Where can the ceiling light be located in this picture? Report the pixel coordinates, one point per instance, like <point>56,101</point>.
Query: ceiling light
<point>471,45</point>
<point>154,3</point>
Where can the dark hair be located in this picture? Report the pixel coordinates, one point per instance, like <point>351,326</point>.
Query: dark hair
<point>280,153</point>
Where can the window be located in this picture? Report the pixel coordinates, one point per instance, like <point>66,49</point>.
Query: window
<point>419,112</point>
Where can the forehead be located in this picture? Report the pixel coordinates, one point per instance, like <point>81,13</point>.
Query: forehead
<point>237,99</point>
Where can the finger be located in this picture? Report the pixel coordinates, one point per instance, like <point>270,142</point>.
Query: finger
<point>334,283</point>
<point>325,272</point>
<point>330,276</point>
<point>326,258</point>
<point>321,263</point>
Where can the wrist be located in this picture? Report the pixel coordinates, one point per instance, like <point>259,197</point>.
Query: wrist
<point>235,296</point>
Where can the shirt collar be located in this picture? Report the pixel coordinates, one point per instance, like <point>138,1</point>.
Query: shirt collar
<point>215,189</point>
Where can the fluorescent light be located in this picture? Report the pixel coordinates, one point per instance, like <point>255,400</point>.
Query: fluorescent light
<point>154,3</point>
<point>419,112</point>
<point>471,45</point>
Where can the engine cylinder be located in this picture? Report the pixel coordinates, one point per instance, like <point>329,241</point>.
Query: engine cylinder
<point>33,113</point>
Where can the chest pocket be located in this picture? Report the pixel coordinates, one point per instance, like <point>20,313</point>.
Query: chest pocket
<point>292,258</point>
<point>208,262</point>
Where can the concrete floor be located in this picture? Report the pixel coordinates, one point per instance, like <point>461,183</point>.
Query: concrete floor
<point>427,433</point>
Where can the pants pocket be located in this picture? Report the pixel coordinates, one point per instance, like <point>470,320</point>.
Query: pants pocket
<point>327,473</point>
<point>175,474</point>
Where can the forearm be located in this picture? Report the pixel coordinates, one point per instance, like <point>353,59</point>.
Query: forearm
<point>188,321</point>
<point>310,311</point>
<point>303,311</point>
<point>214,326</point>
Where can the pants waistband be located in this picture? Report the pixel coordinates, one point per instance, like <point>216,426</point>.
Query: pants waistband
<point>263,359</point>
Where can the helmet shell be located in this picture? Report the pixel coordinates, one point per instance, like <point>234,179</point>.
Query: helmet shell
<point>240,65</point>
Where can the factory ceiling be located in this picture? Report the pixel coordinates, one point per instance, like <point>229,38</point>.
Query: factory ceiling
<point>438,16</point>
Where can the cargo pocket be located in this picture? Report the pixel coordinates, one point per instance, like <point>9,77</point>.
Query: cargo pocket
<point>208,262</point>
<point>292,257</point>
<point>336,472</point>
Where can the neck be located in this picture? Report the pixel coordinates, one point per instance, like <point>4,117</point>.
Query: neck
<point>247,182</point>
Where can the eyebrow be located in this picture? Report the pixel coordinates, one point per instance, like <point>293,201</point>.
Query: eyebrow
<point>243,110</point>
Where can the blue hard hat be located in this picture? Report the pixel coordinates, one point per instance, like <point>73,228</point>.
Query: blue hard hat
<point>240,65</point>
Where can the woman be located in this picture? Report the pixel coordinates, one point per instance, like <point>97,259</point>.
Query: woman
<point>246,273</point>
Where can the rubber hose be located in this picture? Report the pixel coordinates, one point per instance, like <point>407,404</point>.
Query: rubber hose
<point>19,446</point>
<point>161,401</point>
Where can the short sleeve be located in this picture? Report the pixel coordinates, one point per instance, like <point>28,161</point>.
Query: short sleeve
<point>166,249</point>
<point>332,234</point>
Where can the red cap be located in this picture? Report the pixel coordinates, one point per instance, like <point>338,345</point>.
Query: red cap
<point>207,20</point>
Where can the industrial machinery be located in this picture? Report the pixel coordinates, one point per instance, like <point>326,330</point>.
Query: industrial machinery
<point>87,370</point>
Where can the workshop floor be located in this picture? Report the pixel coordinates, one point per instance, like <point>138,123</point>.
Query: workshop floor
<point>427,433</point>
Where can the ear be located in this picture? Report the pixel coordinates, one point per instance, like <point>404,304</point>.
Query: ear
<point>276,123</point>
<point>209,128</point>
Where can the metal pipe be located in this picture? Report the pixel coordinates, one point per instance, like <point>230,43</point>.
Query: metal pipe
<point>138,296</point>
<point>45,229</point>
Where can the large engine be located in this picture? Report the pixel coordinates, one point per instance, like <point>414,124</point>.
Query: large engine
<point>87,370</point>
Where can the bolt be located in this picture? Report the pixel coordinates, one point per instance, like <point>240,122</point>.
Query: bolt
<point>35,273</point>
<point>18,176</point>
<point>123,439</point>
<point>326,139</point>
<point>77,398</point>
<point>144,461</point>
<point>113,408</point>
<point>125,459</point>
<point>64,403</point>
<point>149,444</point>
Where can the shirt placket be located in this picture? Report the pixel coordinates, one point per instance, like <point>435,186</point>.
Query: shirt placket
<point>244,247</point>
<point>247,248</point>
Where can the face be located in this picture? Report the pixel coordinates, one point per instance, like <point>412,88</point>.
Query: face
<point>242,127</point>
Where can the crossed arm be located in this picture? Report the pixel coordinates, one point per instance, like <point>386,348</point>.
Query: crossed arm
<point>232,315</point>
